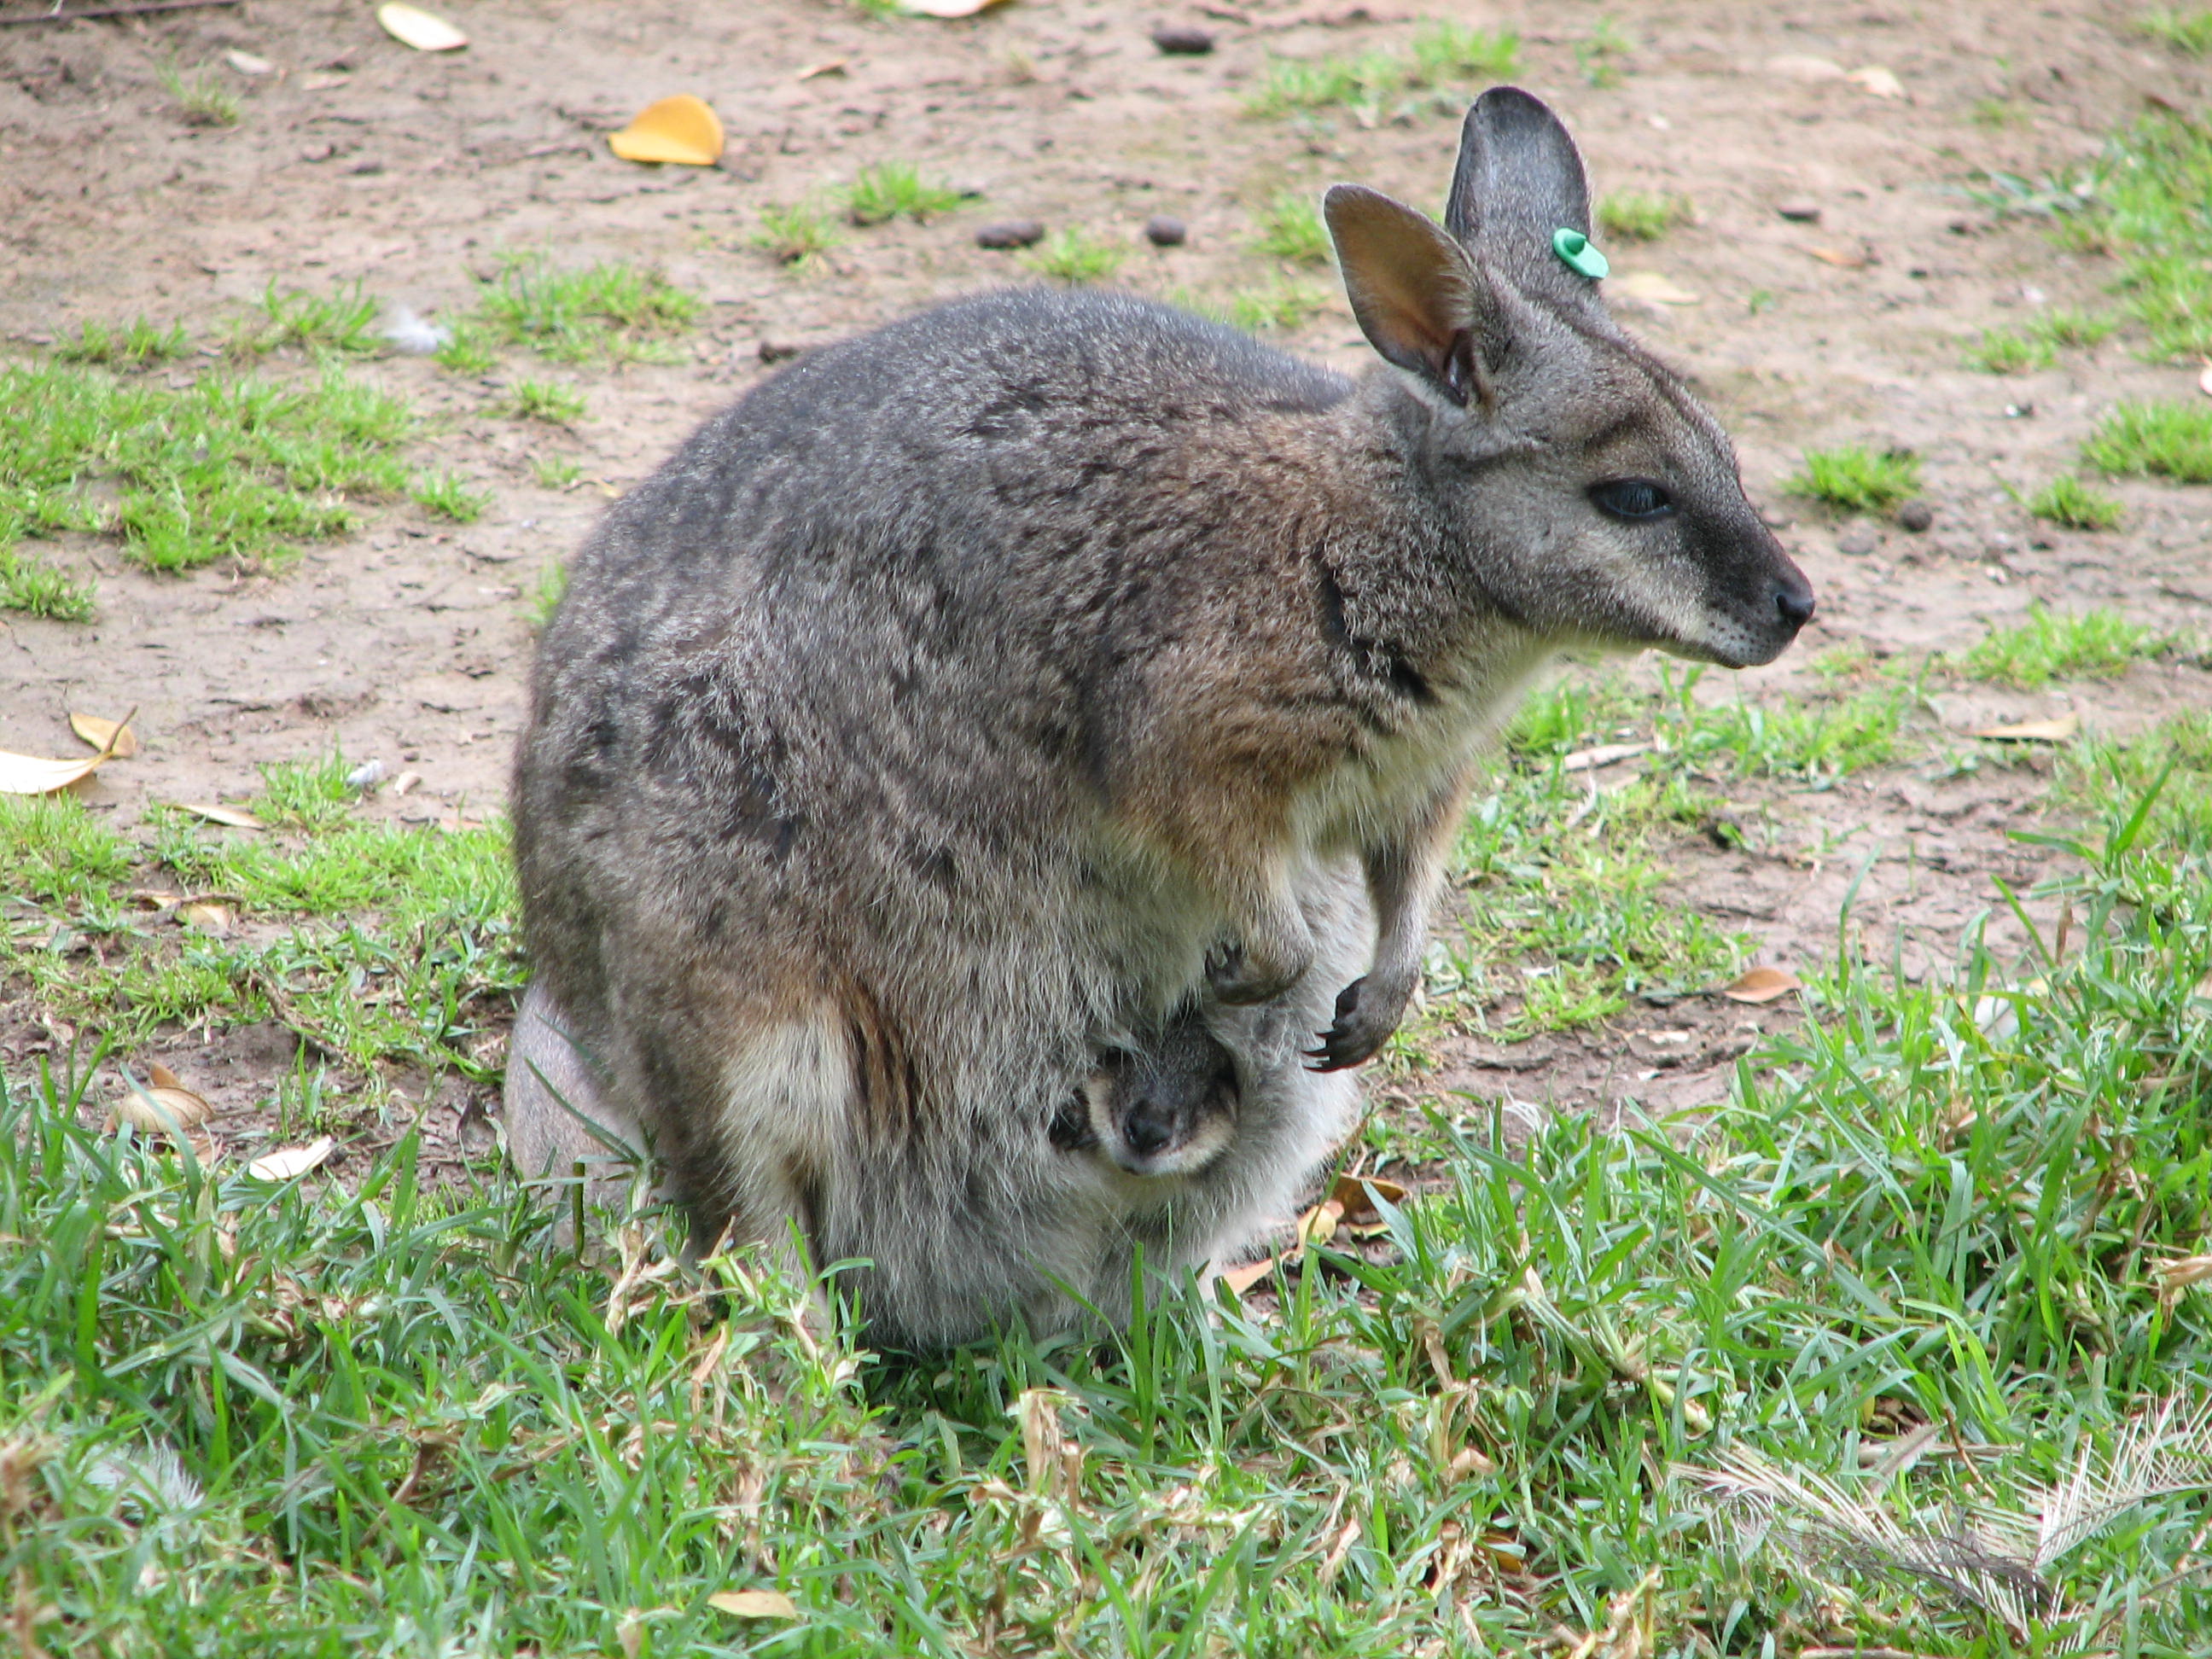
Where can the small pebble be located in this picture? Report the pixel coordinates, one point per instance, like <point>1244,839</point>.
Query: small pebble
<point>1011,233</point>
<point>775,351</point>
<point>318,152</point>
<point>366,776</point>
<point>1799,210</point>
<point>1165,230</point>
<point>1916,516</point>
<point>1184,39</point>
<point>1857,542</point>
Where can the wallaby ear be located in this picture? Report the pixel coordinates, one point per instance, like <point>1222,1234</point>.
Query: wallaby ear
<point>1411,286</point>
<point>1519,179</point>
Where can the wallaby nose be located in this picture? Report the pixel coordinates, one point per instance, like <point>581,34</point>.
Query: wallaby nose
<point>1794,599</point>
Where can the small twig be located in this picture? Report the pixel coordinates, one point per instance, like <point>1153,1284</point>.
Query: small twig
<point>139,8</point>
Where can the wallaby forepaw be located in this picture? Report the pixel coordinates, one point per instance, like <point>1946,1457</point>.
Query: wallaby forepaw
<point>1241,977</point>
<point>1365,1017</point>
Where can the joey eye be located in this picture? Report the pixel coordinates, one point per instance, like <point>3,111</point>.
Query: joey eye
<point>1631,498</point>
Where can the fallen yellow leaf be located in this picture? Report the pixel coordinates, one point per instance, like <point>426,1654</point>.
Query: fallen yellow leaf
<point>1243,1276</point>
<point>161,1077</point>
<point>290,1162</point>
<point>32,774</point>
<point>236,817</point>
<point>682,130</point>
<point>1651,287</point>
<point>1763,985</point>
<point>100,734</point>
<point>2051,730</point>
<point>158,1108</point>
<point>754,1604</point>
<point>203,917</point>
<point>412,27</point>
<point>1843,259</point>
<point>827,66</point>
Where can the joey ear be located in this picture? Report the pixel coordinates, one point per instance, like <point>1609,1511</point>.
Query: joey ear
<point>1411,286</point>
<point>1519,179</point>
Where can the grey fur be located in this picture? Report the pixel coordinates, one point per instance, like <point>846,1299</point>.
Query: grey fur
<point>1167,1106</point>
<point>978,691</point>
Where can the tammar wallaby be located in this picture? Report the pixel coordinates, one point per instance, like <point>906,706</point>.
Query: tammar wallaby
<point>978,692</point>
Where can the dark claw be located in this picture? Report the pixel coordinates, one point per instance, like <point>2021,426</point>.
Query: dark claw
<point>1351,1040</point>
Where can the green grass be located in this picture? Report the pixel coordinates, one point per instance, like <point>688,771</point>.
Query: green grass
<point>380,943</point>
<point>794,234</point>
<point>467,349</point>
<point>36,588</point>
<point>228,467</point>
<point>343,324</point>
<point>1290,229</point>
<point>446,496</point>
<point>555,472</point>
<point>609,311</point>
<point>552,586</point>
<point>2047,647</point>
<point>1442,54</point>
<point>1276,307</point>
<point>544,400</point>
<point>2009,351</point>
<point>1643,215</point>
<point>2067,501</point>
<point>2153,185</point>
<point>1599,57</point>
<point>2188,32</point>
<point>1071,254</point>
<point>2062,327</point>
<point>333,1415</point>
<point>202,97</point>
<point>137,344</point>
<point>2174,757</point>
<point>1857,479</point>
<point>2171,439</point>
<point>893,189</point>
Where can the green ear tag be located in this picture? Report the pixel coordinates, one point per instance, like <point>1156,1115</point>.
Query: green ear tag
<point>1574,248</point>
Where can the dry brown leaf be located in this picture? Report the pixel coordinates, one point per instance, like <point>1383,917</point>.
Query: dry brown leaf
<point>161,1077</point>
<point>1843,259</point>
<point>945,8</point>
<point>827,66</point>
<point>155,898</point>
<point>681,130</point>
<point>1762,984</point>
<point>1605,754</point>
<point>235,818</point>
<point>290,1162</point>
<point>1876,82</point>
<point>1654,290</point>
<point>155,1109</point>
<point>2180,1274</point>
<point>411,25</point>
<point>100,731</point>
<point>1794,66</point>
<point>1243,1276</point>
<point>205,917</point>
<point>2058,729</point>
<point>754,1604</point>
<point>32,774</point>
<point>247,62</point>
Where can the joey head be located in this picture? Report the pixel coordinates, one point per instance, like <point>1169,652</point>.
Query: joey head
<point>974,689</point>
<point>1166,1106</point>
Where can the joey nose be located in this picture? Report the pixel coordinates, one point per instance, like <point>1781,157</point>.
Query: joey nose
<point>1145,1135</point>
<point>1794,600</point>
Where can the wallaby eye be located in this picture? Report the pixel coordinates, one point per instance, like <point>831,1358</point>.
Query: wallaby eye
<point>1631,498</point>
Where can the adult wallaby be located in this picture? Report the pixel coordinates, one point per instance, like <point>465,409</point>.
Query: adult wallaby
<point>977,692</point>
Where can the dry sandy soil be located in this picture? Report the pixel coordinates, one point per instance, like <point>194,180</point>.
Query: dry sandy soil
<point>358,161</point>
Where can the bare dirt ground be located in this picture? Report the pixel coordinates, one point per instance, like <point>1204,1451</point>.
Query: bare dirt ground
<point>358,161</point>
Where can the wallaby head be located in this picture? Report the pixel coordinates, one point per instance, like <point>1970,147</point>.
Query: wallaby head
<point>1594,498</point>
